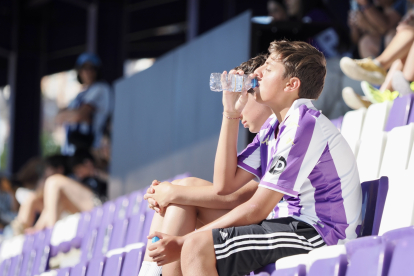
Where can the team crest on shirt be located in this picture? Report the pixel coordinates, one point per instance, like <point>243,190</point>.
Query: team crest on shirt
<point>278,165</point>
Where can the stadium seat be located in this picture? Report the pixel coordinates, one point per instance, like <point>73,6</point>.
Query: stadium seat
<point>364,242</point>
<point>370,156</point>
<point>299,270</point>
<point>375,120</point>
<point>83,224</point>
<point>372,260</point>
<point>64,231</point>
<point>89,240</point>
<point>402,259</point>
<point>78,270</point>
<point>292,261</point>
<point>63,272</point>
<point>12,247</point>
<point>325,252</point>
<point>399,112</point>
<point>113,264</point>
<point>95,267</point>
<point>397,150</point>
<point>147,224</point>
<point>105,230</point>
<point>134,256</point>
<point>399,197</point>
<point>352,127</point>
<point>137,217</point>
<point>120,223</point>
<point>374,194</point>
<point>329,267</point>
<point>42,249</point>
<point>29,254</point>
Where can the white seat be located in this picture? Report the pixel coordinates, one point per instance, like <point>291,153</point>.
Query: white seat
<point>370,156</point>
<point>326,252</point>
<point>65,229</point>
<point>292,261</point>
<point>397,150</point>
<point>11,247</point>
<point>410,166</point>
<point>352,126</point>
<point>375,120</point>
<point>399,205</point>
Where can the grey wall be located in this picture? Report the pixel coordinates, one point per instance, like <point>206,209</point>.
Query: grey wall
<point>166,120</point>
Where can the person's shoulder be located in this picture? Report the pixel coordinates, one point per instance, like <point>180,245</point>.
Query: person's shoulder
<point>100,86</point>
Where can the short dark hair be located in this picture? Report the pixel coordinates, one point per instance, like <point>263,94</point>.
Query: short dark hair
<point>97,69</point>
<point>252,64</point>
<point>57,161</point>
<point>80,156</point>
<point>303,61</point>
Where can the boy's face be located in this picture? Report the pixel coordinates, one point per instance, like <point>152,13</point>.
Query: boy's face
<point>254,115</point>
<point>271,81</point>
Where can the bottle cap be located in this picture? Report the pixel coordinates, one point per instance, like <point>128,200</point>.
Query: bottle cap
<point>155,239</point>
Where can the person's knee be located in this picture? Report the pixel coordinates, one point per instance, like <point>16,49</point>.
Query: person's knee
<point>192,182</point>
<point>54,182</point>
<point>198,245</point>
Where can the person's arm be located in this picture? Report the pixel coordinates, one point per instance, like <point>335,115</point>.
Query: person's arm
<point>375,17</point>
<point>82,114</point>
<point>227,176</point>
<point>165,193</point>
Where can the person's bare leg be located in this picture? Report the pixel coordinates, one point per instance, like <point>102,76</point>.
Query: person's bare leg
<point>63,190</point>
<point>198,256</point>
<point>408,70</point>
<point>396,66</point>
<point>27,213</point>
<point>398,48</point>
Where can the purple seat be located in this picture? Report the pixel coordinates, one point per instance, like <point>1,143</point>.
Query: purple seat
<point>78,270</point>
<point>354,245</point>
<point>398,234</point>
<point>14,265</point>
<point>300,270</point>
<point>137,210</point>
<point>411,116</point>
<point>149,214</point>
<point>63,271</point>
<point>374,194</point>
<point>113,265</point>
<point>399,112</point>
<point>120,223</point>
<point>83,226</point>
<point>373,260</point>
<point>5,267</point>
<point>338,122</point>
<point>332,267</point>
<point>104,231</point>
<point>402,259</point>
<point>29,253</point>
<point>132,261</point>
<point>89,239</point>
<point>42,247</point>
<point>95,267</point>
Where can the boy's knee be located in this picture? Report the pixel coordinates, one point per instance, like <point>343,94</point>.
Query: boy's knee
<point>199,244</point>
<point>191,182</point>
<point>54,182</point>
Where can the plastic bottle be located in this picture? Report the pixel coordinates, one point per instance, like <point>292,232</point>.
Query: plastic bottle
<point>155,239</point>
<point>235,83</point>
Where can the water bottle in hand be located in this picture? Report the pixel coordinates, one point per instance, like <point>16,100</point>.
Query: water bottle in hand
<point>235,83</point>
<point>155,239</point>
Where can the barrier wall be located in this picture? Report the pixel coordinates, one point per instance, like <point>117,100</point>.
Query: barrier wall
<point>166,119</point>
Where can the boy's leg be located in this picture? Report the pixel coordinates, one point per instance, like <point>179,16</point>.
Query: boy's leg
<point>240,250</point>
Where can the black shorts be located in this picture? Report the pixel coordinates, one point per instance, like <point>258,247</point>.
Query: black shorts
<point>240,250</point>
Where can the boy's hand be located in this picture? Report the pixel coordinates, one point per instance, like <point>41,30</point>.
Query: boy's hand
<point>233,102</point>
<point>159,194</point>
<point>153,204</point>
<point>166,250</point>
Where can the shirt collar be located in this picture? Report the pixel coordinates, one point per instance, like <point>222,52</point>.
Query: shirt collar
<point>296,104</point>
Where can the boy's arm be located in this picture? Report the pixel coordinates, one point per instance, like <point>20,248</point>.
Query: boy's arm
<point>227,176</point>
<point>202,196</point>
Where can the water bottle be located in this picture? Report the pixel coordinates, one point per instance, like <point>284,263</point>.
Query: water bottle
<point>235,83</point>
<point>155,239</point>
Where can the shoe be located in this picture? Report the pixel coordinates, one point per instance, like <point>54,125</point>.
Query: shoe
<point>353,100</point>
<point>376,96</point>
<point>400,84</point>
<point>363,70</point>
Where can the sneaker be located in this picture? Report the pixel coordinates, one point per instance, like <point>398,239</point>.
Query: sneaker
<point>376,96</point>
<point>363,70</point>
<point>353,100</point>
<point>400,84</point>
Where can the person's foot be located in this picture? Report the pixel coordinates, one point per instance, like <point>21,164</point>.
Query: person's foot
<point>353,100</point>
<point>363,70</point>
<point>376,96</point>
<point>400,84</point>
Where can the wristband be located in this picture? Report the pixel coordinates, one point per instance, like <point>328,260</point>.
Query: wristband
<point>230,118</point>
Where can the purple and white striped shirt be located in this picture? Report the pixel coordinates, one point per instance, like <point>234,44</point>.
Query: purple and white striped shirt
<point>312,165</point>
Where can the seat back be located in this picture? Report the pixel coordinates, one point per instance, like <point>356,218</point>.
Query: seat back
<point>399,197</point>
<point>325,252</point>
<point>113,265</point>
<point>299,270</point>
<point>292,261</point>
<point>399,112</point>
<point>105,230</point>
<point>375,120</point>
<point>12,247</point>
<point>63,271</point>
<point>352,127</point>
<point>83,225</point>
<point>120,223</point>
<point>63,232</point>
<point>403,256</point>
<point>89,240</point>
<point>137,217</point>
<point>149,214</point>
<point>370,155</point>
<point>42,247</point>
<point>95,267</point>
<point>333,266</point>
<point>133,259</point>
<point>397,150</point>
<point>374,194</point>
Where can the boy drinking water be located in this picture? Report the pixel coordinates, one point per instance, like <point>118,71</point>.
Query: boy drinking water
<point>298,156</point>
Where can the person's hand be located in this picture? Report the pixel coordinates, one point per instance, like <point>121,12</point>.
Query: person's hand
<point>363,2</point>
<point>166,250</point>
<point>158,195</point>
<point>153,204</point>
<point>233,102</point>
